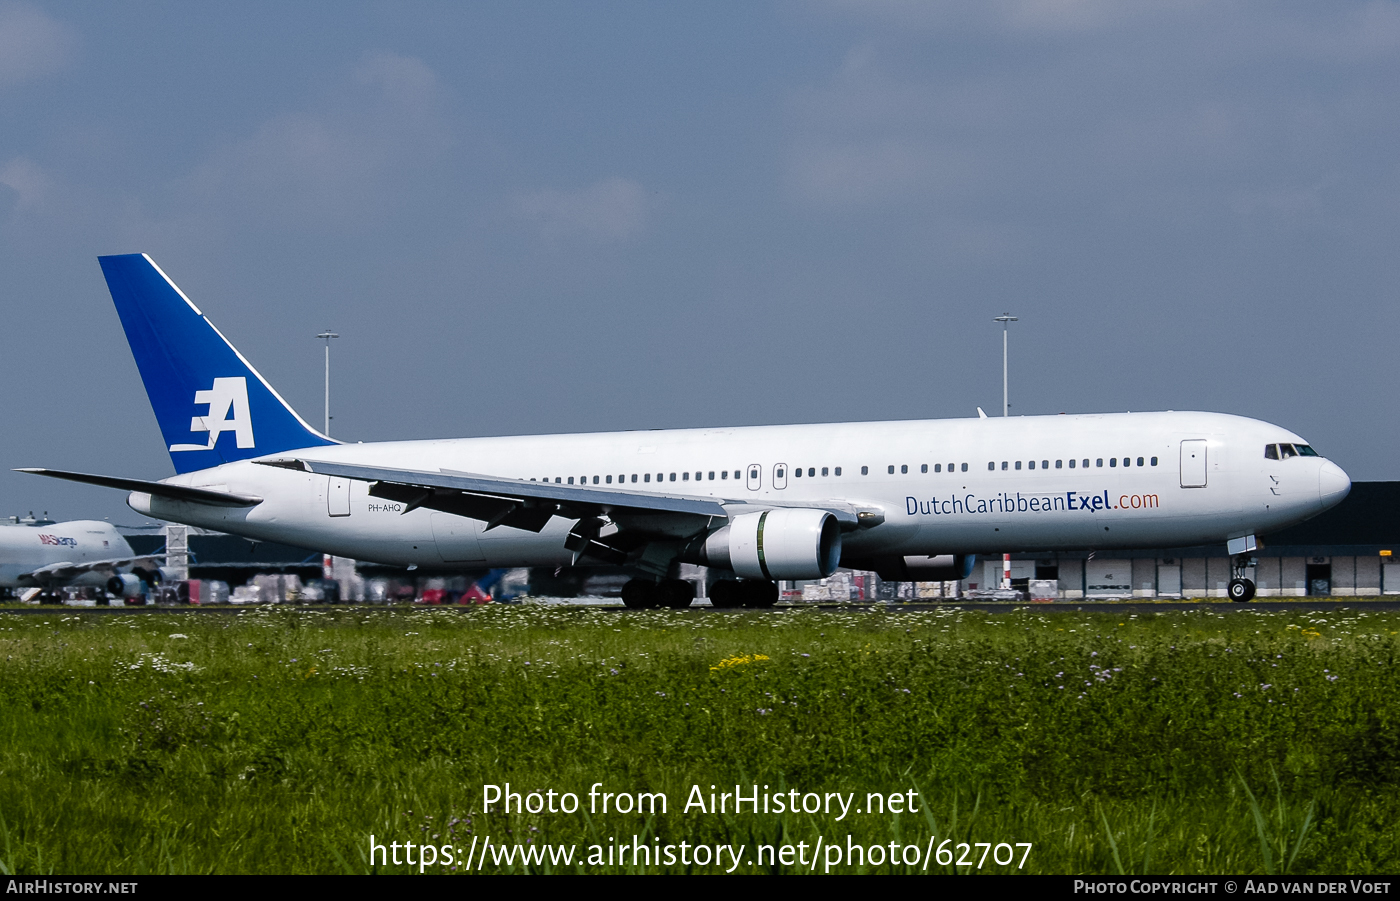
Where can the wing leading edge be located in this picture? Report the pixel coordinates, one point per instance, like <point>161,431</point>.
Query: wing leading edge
<point>504,502</point>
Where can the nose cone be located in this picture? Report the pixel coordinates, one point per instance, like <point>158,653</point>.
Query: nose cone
<point>1332,484</point>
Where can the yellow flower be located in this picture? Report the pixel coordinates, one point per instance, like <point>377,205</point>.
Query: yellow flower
<point>728,662</point>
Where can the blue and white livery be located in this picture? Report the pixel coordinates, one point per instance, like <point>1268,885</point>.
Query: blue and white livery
<point>910,500</point>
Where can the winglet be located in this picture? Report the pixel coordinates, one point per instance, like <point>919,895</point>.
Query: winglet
<point>980,414</point>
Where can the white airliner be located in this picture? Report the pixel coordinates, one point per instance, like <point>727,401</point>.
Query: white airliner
<point>909,500</point>
<point>52,555</point>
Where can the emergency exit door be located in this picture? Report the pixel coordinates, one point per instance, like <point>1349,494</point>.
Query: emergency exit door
<point>1193,464</point>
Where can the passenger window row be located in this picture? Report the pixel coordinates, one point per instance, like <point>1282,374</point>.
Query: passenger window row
<point>1271,452</point>
<point>937,467</point>
<point>1028,464</point>
<point>1083,464</point>
<point>646,477</point>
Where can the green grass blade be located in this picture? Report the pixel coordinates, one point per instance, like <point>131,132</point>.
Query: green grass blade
<point>1113,845</point>
<point>1261,826</point>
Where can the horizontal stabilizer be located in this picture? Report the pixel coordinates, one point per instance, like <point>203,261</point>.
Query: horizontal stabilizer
<point>158,489</point>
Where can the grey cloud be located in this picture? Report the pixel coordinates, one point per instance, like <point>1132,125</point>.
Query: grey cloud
<point>32,44</point>
<point>1362,33</point>
<point>1076,15</point>
<point>870,136</point>
<point>331,165</point>
<point>891,171</point>
<point>38,205</point>
<point>1002,16</point>
<point>612,210</point>
<point>1200,112</point>
<point>1339,31</point>
<point>404,81</point>
<point>29,183</point>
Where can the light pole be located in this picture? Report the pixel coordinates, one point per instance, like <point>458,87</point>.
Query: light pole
<point>1005,319</point>
<point>328,335</point>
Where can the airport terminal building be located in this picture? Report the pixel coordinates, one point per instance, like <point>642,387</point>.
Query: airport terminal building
<point>1348,551</point>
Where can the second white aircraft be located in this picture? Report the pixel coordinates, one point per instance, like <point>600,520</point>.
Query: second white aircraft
<point>46,556</point>
<point>909,500</point>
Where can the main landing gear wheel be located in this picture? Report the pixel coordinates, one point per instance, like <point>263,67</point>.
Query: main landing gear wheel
<point>758,593</point>
<point>1241,590</point>
<point>726,595</point>
<point>675,593</point>
<point>639,594</point>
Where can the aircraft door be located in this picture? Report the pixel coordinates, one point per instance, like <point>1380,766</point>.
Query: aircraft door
<point>755,479</point>
<point>338,496</point>
<point>1193,463</point>
<point>780,475</point>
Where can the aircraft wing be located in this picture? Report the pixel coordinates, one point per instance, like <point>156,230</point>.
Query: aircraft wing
<point>529,505</point>
<point>505,502</point>
<point>57,572</point>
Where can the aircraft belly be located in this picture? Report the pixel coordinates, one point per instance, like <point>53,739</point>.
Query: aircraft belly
<point>533,552</point>
<point>504,546</point>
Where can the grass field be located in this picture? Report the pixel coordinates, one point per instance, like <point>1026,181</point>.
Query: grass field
<point>279,740</point>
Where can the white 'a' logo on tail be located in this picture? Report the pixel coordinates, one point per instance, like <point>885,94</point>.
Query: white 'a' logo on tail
<point>228,395</point>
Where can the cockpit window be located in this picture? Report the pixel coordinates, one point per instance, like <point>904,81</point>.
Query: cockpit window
<point>1271,452</point>
<point>1306,451</point>
<point>1286,451</point>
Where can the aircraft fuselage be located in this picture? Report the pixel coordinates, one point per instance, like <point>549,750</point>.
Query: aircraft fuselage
<point>965,486</point>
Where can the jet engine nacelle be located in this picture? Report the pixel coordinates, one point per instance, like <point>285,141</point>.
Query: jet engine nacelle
<point>778,544</point>
<point>126,585</point>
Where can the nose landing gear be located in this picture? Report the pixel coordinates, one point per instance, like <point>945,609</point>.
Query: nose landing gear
<point>1240,589</point>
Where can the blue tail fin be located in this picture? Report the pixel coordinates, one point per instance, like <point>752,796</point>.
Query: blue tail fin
<point>212,405</point>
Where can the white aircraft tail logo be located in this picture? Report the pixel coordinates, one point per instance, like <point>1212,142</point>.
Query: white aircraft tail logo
<point>227,395</point>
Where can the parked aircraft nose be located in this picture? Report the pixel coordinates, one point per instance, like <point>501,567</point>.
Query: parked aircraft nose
<point>1332,484</point>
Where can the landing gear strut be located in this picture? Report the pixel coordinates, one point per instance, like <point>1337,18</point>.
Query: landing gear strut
<point>1240,589</point>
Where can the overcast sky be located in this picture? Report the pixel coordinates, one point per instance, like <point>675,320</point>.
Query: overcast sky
<point>554,217</point>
